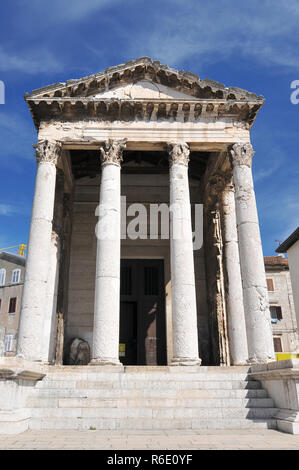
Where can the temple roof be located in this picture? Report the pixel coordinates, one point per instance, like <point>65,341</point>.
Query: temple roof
<point>172,85</point>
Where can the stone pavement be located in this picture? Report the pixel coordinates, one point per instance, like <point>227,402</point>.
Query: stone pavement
<point>150,440</point>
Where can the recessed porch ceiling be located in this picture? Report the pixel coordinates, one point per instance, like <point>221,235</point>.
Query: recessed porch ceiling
<point>87,163</point>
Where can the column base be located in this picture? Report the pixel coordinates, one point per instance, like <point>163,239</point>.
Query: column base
<point>185,361</point>
<point>241,363</point>
<point>105,362</point>
<point>261,360</point>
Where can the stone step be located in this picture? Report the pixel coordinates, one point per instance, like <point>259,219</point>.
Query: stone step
<point>147,370</point>
<point>150,384</point>
<point>39,402</point>
<point>148,423</point>
<point>148,393</point>
<point>154,413</point>
<point>123,378</point>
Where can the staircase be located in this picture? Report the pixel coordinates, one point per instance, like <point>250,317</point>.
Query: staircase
<point>91,397</point>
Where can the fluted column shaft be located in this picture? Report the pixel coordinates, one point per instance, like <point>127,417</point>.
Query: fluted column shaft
<point>234,297</point>
<point>107,286</point>
<point>184,313</point>
<point>30,334</point>
<point>255,294</point>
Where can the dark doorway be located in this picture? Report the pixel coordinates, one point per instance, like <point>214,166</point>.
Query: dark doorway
<point>142,312</point>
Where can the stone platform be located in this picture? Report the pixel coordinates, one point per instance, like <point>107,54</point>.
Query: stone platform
<point>182,440</point>
<point>137,398</point>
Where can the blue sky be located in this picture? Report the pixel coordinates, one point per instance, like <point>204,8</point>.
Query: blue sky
<point>253,45</point>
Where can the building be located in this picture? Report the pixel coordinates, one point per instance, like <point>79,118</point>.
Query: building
<point>291,247</point>
<point>283,316</point>
<point>144,243</point>
<point>153,135</point>
<point>11,285</point>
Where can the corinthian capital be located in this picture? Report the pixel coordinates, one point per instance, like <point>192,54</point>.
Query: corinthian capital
<point>178,153</point>
<point>241,154</point>
<point>112,151</point>
<point>48,151</point>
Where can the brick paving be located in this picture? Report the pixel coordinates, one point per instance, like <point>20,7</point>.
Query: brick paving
<point>150,440</point>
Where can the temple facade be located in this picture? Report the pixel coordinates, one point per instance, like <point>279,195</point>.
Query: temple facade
<point>114,151</point>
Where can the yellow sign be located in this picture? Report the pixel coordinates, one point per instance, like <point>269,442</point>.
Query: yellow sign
<point>286,355</point>
<point>122,350</point>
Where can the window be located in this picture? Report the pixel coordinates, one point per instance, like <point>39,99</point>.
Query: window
<point>16,275</point>
<point>276,313</point>
<point>277,344</point>
<point>2,276</point>
<point>8,346</point>
<point>270,285</point>
<point>12,305</point>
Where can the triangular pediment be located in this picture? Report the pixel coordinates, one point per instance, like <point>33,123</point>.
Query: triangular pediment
<point>109,95</point>
<point>144,74</point>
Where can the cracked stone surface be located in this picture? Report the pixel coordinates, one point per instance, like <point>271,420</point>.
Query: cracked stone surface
<point>234,297</point>
<point>38,257</point>
<point>107,287</point>
<point>256,304</point>
<point>185,337</point>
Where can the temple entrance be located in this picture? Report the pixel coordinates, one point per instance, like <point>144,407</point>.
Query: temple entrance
<point>142,312</point>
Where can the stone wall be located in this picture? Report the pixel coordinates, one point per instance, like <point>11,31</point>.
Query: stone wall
<point>282,296</point>
<point>293,255</point>
<point>9,322</point>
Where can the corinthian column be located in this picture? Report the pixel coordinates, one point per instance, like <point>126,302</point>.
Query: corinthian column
<point>234,298</point>
<point>30,334</point>
<point>53,274</point>
<point>184,315</point>
<point>256,304</point>
<point>107,286</point>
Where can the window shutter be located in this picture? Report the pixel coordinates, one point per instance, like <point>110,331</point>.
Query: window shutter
<point>2,277</point>
<point>12,305</point>
<point>270,284</point>
<point>278,313</point>
<point>9,343</point>
<point>16,276</point>
<point>277,345</point>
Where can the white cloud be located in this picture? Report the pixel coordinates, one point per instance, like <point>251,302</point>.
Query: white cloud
<point>7,209</point>
<point>262,31</point>
<point>289,216</point>
<point>69,10</point>
<point>35,61</point>
<point>17,135</point>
